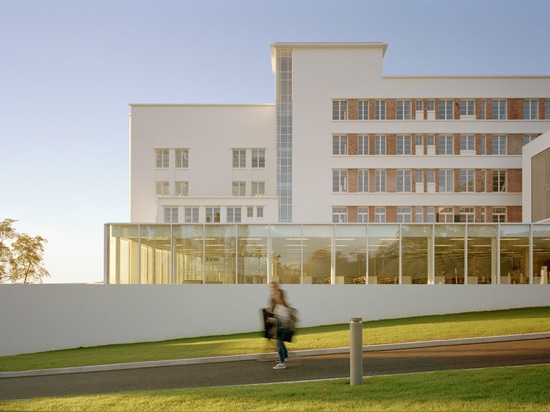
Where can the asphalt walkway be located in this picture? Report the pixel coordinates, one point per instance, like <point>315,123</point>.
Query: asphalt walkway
<point>513,350</point>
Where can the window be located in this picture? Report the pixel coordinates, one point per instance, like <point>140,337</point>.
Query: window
<point>163,189</point>
<point>339,180</point>
<point>430,214</point>
<point>467,214</point>
<point>419,176</point>
<point>483,145</point>
<point>250,211</point>
<point>528,138</point>
<point>418,214</point>
<point>363,110</point>
<point>363,214</point>
<point>339,110</point>
<point>339,215</point>
<point>403,145</point>
<point>430,106</point>
<point>467,143</point>
<point>258,189</point>
<point>182,158</point>
<point>239,189</point>
<point>380,110</point>
<point>403,110</point>
<point>418,139</point>
<point>547,109</point>
<point>239,158</point>
<point>446,145</point>
<point>339,145</point>
<point>482,180</point>
<point>162,158</point>
<point>403,181</point>
<point>380,214</point>
<point>483,214</point>
<point>191,215</point>
<point>212,215</point>
<point>530,109</point>
<point>499,214</point>
<point>260,211</point>
<point>182,188</point>
<point>446,110</point>
<point>499,145</point>
<point>258,158</point>
<point>379,145</point>
<point>170,215</point>
<point>403,215</point>
<point>362,145</point>
<point>430,140</point>
<point>467,180</point>
<point>467,108</point>
<point>430,175</point>
<point>380,181</point>
<point>499,109</point>
<point>363,180</point>
<point>233,215</point>
<point>419,105</point>
<point>499,180</point>
<point>446,181</point>
<point>445,215</point>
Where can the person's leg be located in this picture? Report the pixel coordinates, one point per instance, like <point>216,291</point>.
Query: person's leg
<point>281,349</point>
<point>285,351</point>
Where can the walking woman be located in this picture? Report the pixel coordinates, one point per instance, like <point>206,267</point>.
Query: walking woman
<point>282,319</point>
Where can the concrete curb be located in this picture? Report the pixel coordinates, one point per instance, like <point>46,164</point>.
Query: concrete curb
<point>262,356</point>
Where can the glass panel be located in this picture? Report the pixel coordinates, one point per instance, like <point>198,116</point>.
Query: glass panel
<point>317,243</point>
<point>415,243</point>
<point>189,260</point>
<point>252,260</point>
<point>541,253</point>
<point>123,254</point>
<point>351,253</point>
<point>482,253</point>
<point>449,254</point>
<point>286,253</point>
<point>155,254</point>
<point>514,254</point>
<point>220,254</point>
<point>383,251</point>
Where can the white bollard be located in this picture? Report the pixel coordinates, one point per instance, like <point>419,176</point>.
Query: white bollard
<point>356,351</point>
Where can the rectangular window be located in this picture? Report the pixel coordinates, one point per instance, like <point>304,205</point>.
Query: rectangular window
<point>446,145</point>
<point>467,108</point>
<point>238,188</point>
<point>339,145</point>
<point>530,109</point>
<point>419,176</point>
<point>380,181</point>
<point>162,158</point>
<point>446,110</point>
<point>528,138</point>
<point>170,215</point>
<point>233,215</point>
<point>363,110</point>
<point>467,143</point>
<point>430,214</point>
<point>239,158</point>
<point>418,214</point>
<point>467,214</point>
<point>212,215</point>
<point>446,180</point>
<point>482,180</point>
<point>483,105</point>
<point>258,158</point>
<point>499,145</point>
<point>339,110</point>
<point>483,145</point>
<point>363,180</point>
<point>339,215</point>
<point>499,214</point>
<point>258,189</point>
<point>403,215</point>
<point>404,145</point>
<point>191,214</point>
<point>403,110</point>
<point>339,181</point>
<point>250,211</point>
<point>182,188</point>
<point>403,183</point>
<point>163,189</point>
<point>363,215</point>
<point>499,109</point>
<point>499,180</point>
<point>380,214</point>
<point>182,158</point>
<point>430,140</point>
<point>419,105</point>
<point>430,106</point>
<point>467,180</point>
<point>362,145</point>
<point>260,211</point>
<point>380,110</point>
<point>445,215</point>
<point>430,176</point>
<point>379,145</point>
<point>419,141</point>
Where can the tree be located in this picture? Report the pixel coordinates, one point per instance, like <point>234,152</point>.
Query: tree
<point>21,255</point>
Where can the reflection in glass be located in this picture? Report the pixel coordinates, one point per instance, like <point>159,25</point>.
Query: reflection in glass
<point>415,251</point>
<point>449,254</point>
<point>123,254</point>
<point>383,252</point>
<point>541,254</point>
<point>350,253</point>
<point>514,254</point>
<point>317,249</point>
<point>189,261</point>
<point>286,253</point>
<point>220,252</point>
<point>482,254</point>
<point>155,254</point>
<point>252,260</point>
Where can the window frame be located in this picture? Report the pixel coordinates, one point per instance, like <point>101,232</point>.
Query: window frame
<point>182,158</point>
<point>162,158</point>
<point>258,158</point>
<point>239,158</point>
<point>339,109</point>
<point>339,181</point>
<point>340,145</point>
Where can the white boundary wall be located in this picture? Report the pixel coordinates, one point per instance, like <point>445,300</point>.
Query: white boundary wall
<point>36,318</point>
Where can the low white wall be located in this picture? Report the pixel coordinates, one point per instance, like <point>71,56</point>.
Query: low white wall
<point>36,318</point>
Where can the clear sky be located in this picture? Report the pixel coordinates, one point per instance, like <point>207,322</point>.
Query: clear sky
<point>70,68</point>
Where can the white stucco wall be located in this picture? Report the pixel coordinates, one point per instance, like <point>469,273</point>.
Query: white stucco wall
<point>39,318</point>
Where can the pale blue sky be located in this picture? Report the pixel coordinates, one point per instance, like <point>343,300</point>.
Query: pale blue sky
<point>69,69</point>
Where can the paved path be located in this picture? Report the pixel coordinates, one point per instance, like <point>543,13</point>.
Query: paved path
<point>250,370</point>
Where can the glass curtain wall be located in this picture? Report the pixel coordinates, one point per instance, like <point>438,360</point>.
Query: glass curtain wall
<point>286,254</point>
<point>189,254</point>
<point>383,254</point>
<point>416,250</point>
<point>449,254</point>
<point>514,254</point>
<point>482,254</point>
<point>350,253</point>
<point>541,254</point>
<point>155,254</point>
<point>317,253</point>
<point>253,254</point>
<point>220,251</point>
<point>123,241</point>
